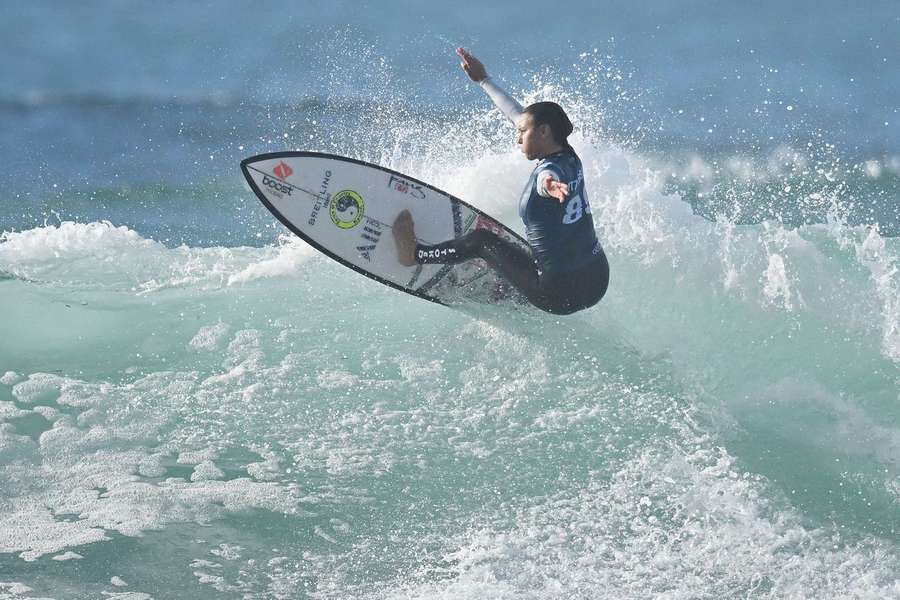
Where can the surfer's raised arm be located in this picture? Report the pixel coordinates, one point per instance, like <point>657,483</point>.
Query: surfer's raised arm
<point>508,105</point>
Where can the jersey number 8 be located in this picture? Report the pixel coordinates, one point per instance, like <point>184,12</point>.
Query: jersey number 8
<point>575,209</point>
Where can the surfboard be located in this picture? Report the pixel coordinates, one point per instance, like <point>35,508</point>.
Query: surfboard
<point>345,208</point>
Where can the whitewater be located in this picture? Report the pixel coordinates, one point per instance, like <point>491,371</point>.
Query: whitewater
<point>195,403</point>
<point>261,420</point>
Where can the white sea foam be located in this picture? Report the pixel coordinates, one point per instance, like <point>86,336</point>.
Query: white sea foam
<point>194,457</point>
<point>68,556</point>
<point>692,526</point>
<point>31,530</point>
<point>290,254</point>
<point>120,259</point>
<point>102,241</point>
<point>13,590</point>
<point>209,337</point>
<point>8,411</point>
<point>885,275</point>
<point>10,378</point>
<point>85,475</point>
<point>40,387</point>
<point>205,471</point>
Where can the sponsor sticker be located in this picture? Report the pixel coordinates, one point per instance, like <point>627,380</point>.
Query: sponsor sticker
<point>369,237</point>
<point>283,171</point>
<point>437,253</point>
<point>347,209</point>
<point>275,186</point>
<point>406,187</point>
<point>321,199</point>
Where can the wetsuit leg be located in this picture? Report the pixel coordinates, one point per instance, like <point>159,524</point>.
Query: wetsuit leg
<point>576,290</point>
<point>561,294</point>
<point>513,262</point>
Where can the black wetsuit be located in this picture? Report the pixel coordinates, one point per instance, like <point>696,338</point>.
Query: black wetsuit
<point>566,270</point>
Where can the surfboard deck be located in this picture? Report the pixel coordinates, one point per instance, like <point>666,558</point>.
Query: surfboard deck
<point>345,208</point>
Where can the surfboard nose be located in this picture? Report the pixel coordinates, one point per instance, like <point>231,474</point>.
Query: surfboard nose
<point>272,164</point>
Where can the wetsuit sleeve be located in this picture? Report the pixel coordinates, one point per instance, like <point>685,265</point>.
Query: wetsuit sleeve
<point>508,105</point>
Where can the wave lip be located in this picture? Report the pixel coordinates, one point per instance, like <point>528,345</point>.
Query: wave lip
<point>70,240</point>
<point>102,254</point>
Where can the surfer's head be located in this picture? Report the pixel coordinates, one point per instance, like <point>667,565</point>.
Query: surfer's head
<point>543,129</point>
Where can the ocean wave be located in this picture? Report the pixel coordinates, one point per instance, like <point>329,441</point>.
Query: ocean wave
<point>722,424</point>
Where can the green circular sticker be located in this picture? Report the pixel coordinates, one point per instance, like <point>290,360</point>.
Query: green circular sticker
<point>347,209</point>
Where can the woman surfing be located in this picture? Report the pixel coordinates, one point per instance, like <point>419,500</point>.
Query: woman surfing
<point>566,269</point>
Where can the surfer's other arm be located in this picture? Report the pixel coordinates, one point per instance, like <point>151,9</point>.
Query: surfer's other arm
<point>508,105</point>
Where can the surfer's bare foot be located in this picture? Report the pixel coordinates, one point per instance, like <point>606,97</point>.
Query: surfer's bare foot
<point>405,239</point>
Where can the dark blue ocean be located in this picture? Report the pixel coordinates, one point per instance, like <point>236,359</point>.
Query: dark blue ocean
<point>196,404</point>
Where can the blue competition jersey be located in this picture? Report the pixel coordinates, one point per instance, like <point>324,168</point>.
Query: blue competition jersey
<point>561,234</point>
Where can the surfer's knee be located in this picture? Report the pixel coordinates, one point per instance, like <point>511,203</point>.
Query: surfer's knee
<point>482,238</point>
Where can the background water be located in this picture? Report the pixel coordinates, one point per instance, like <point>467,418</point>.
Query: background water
<point>195,404</point>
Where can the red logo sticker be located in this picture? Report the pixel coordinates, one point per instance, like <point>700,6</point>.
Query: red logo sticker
<point>282,171</point>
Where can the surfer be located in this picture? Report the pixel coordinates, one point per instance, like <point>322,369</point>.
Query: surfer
<point>566,269</point>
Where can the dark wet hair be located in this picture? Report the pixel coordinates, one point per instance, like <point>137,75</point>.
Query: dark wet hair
<point>552,114</point>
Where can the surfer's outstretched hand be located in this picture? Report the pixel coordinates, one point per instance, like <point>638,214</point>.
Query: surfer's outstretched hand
<point>471,65</point>
<point>556,189</point>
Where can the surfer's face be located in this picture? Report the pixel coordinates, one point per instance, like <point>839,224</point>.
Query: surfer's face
<point>533,139</point>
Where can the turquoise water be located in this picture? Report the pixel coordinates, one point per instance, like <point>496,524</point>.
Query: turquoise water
<point>193,403</point>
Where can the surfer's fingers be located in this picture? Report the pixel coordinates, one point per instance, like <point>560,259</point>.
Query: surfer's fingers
<point>467,57</point>
<point>557,189</point>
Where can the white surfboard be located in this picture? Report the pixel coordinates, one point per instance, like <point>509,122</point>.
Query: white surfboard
<point>345,208</point>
